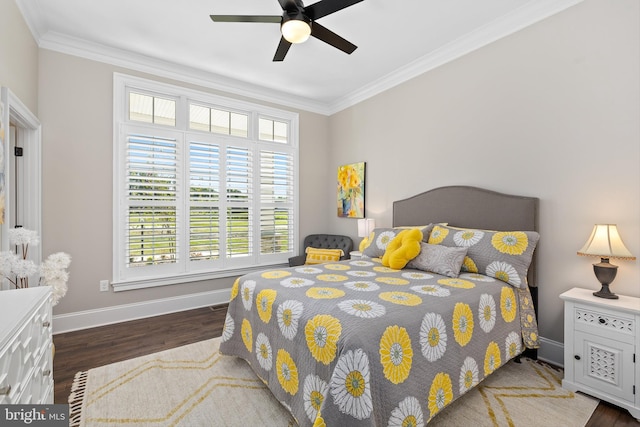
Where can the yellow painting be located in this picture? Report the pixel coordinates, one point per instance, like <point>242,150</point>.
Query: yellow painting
<point>351,190</point>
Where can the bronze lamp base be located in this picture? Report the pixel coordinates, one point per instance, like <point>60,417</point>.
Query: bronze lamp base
<point>605,272</point>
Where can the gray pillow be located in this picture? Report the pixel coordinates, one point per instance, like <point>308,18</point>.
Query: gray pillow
<point>504,255</point>
<point>439,259</point>
<point>379,240</point>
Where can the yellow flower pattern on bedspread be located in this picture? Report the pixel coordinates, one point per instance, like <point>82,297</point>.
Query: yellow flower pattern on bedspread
<point>354,343</point>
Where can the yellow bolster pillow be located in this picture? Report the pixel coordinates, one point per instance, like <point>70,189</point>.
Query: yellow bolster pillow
<point>319,256</point>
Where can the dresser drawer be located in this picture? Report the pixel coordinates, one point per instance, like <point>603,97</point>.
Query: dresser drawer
<point>25,346</point>
<point>40,381</point>
<point>39,330</point>
<point>13,370</point>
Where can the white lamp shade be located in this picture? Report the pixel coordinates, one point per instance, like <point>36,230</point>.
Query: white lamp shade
<point>366,226</point>
<point>605,242</point>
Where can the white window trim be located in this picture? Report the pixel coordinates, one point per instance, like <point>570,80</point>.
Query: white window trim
<point>121,83</point>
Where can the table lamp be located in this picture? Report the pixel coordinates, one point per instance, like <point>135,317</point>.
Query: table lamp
<point>606,243</point>
<point>366,226</point>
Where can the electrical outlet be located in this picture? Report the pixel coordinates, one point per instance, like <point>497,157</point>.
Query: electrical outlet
<point>104,286</point>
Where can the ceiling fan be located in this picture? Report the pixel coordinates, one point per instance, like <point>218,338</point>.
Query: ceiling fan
<point>298,22</point>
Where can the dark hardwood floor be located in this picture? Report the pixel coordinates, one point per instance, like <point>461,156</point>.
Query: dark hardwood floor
<point>90,348</point>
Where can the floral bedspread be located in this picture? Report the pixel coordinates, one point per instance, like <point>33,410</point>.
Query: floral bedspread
<point>355,343</point>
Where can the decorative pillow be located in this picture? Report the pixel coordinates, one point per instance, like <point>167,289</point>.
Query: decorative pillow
<point>439,259</point>
<point>375,245</point>
<point>319,256</point>
<point>378,241</point>
<point>426,231</point>
<point>402,249</point>
<point>505,255</point>
<point>366,241</point>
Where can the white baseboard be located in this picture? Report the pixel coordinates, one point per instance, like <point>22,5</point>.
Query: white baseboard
<point>106,316</point>
<point>551,351</point>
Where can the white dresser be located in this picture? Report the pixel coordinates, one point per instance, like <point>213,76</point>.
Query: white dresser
<point>26,362</point>
<point>602,346</point>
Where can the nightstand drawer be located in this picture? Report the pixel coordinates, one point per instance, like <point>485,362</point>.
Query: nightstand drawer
<point>603,322</point>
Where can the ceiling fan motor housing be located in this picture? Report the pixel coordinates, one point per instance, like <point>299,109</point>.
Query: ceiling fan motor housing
<point>295,16</point>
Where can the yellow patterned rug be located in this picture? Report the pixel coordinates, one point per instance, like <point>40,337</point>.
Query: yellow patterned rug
<point>196,386</point>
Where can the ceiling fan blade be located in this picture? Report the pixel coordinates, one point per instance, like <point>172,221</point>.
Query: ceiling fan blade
<point>328,36</point>
<point>282,50</point>
<point>326,7</point>
<point>246,18</point>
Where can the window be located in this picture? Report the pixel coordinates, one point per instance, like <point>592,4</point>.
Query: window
<point>204,186</point>
<point>151,109</point>
<point>273,130</point>
<point>218,121</point>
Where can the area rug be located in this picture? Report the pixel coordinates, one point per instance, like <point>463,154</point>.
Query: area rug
<point>194,385</point>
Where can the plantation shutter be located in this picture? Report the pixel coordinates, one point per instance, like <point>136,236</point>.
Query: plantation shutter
<point>151,200</point>
<point>239,198</point>
<point>204,201</point>
<point>276,202</point>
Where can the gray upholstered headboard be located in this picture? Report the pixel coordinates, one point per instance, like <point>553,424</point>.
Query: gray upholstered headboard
<point>470,207</point>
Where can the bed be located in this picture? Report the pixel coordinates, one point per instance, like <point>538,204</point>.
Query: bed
<point>361,344</point>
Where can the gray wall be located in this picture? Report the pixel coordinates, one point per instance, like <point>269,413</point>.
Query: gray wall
<point>552,111</point>
<point>18,56</point>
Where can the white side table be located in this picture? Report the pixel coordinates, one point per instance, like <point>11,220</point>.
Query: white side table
<point>355,254</point>
<point>602,346</point>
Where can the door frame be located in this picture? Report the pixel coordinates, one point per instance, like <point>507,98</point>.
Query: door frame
<point>29,136</point>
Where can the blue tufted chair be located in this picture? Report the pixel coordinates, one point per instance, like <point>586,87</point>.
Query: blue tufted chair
<point>323,241</point>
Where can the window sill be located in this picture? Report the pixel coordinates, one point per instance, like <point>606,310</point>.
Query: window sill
<point>141,283</point>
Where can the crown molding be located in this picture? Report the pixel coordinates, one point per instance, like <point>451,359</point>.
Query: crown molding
<point>504,26</point>
<point>534,11</point>
<point>96,52</point>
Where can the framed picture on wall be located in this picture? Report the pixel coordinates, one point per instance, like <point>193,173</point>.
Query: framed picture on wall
<point>351,190</point>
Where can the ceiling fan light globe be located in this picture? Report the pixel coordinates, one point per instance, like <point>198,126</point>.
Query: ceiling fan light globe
<point>295,31</point>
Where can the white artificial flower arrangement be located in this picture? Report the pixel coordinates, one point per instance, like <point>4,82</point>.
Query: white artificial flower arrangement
<point>16,268</point>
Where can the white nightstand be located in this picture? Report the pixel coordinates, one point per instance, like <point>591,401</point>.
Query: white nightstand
<point>355,254</point>
<point>601,346</point>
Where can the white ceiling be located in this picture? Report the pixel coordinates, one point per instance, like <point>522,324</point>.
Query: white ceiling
<point>396,39</point>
